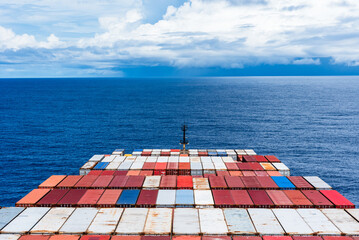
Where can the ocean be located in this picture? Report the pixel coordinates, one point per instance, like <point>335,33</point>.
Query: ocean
<point>53,126</point>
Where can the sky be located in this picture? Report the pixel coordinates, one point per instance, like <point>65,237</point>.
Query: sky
<point>169,38</point>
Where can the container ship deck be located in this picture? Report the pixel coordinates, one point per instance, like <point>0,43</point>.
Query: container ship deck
<point>197,194</point>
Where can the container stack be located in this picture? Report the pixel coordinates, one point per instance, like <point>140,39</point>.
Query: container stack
<point>162,194</point>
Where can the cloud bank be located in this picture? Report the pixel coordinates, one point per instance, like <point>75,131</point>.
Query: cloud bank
<point>98,36</point>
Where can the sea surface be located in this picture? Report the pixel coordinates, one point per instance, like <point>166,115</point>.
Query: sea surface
<point>53,126</point>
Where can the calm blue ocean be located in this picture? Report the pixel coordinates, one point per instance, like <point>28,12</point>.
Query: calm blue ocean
<point>53,126</point>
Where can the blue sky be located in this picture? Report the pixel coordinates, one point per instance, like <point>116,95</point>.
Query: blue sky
<point>150,38</point>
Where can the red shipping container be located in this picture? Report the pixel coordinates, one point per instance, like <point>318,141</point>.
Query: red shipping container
<point>223,173</point>
<point>337,199</point>
<point>186,237</point>
<point>51,199</point>
<point>146,173</point>
<point>147,198</point>
<point>90,198</point>
<point>267,183</point>
<point>298,199</point>
<point>126,237</point>
<point>244,166</point>
<point>251,182</point>
<point>241,198</point>
<point>69,181</point>
<point>279,198</point>
<point>317,199</point>
<point>147,154</point>
<point>155,238</point>
<point>240,158</point>
<point>96,237</point>
<point>95,172</point>
<point>216,238</point>
<point>175,150</point>
<point>149,166</point>
<point>120,173</point>
<point>184,168</point>
<point>172,168</point>
<point>261,173</point>
<point>260,198</point>
<point>202,154</point>
<point>108,172</point>
<point>246,238</point>
<point>256,166</point>
<point>249,173</point>
<point>234,182</point>
<point>277,238</point>
<point>207,175</point>
<point>183,155</point>
<point>260,158</point>
<point>71,198</point>
<point>109,198</point>
<point>118,182</point>
<point>338,238</point>
<point>184,182</point>
<point>217,182</point>
<point>231,166</point>
<point>32,197</point>
<point>168,182</point>
<point>165,154</point>
<point>102,181</point>
<point>64,237</point>
<point>86,181</point>
<point>223,198</point>
<point>134,182</point>
<point>133,173</point>
<point>249,158</point>
<point>274,173</point>
<point>34,237</point>
<point>272,158</point>
<point>236,173</point>
<point>160,168</point>
<point>307,238</point>
<point>300,182</point>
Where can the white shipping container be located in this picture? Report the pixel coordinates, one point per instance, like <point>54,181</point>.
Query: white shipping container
<point>265,222</point>
<point>208,166</point>
<point>318,222</point>
<point>131,158</point>
<point>238,221</point>
<point>346,223</point>
<point>196,168</point>
<point>132,221</point>
<point>166,198</point>
<point>113,166</point>
<point>25,220</point>
<point>88,165</point>
<point>109,158</point>
<point>186,221</point>
<point>195,159</point>
<point>156,153</point>
<point>216,159</point>
<point>201,184</point>
<point>206,159</point>
<point>227,159</point>
<point>136,153</point>
<point>141,159</point>
<point>212,221</point>
<point>119,159</point>
<point>126,165</point>
<point>250,152</point>
<point>220,166</point>
<point>9,236</point>
<point>240,152</point>
<point>354,212</point>
<point>159,221</point>
<point>203,198</point>
<point>79,221</point>
<point>175,153</point>
<point>53,220</point>
<point>137,165</point>
<point>172,159</point>
<point>105,221</point>
<point>282,168</point>
<point>292,222</point>
<point>317,182</point>
<point>183,159</point>
<point>96,158</point>
<point>163,159</point>
<point>152,182</point>
<point>9,213</point>
<point>151,159</point>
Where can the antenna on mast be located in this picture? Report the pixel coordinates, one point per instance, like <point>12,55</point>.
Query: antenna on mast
<point>184,140</point>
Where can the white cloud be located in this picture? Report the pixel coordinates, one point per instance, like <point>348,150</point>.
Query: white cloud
<point>307,61</point>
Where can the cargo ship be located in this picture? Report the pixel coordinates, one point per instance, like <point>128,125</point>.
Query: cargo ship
<point>182,194</point>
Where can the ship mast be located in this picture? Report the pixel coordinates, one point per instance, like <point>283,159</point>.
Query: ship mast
<point>184,140</point>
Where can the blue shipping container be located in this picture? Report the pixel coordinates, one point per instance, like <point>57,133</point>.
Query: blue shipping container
<point>8,214</point>
<point>283,182</point>
<point>101,165</point>
<point>128,197</point>
<point>184,197</point>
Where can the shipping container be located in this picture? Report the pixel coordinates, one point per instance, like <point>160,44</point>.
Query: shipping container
<point>96,158</point>
<point>126,237</point>
<point>52,221</point>
<point>241,198</point>
<point>232,166</point>
<point>292,222</point>
<point>7,214</point>
<point>166,198</point>
<point>260,198</point>
<point>105,221</point>
<point>86,168</point>
<point>246,238</point>
<point>283,182</point>
<point>255,166</point>
<point>251,182</point>
<point>184,168</point>
<point>238,221</point>
<point>250,152</point>
<point>25,220</point>
<point>168,182</point>
<point>109,198</point>
<point>342,220</point>
<point>203,198</point>
<point>248,158</point>
<point>159,221</point>
<point>216,237</point>
<point>318,222</point>
<point>208,168</point>
<point>244,166</point>
<point>337,199</point>
<point>234,182</point>
<point>268,166</point>
<point>64,237</point>
<point>108,173</point>
<point>196,168</point>
<point>69,181</point>
<point>265,222</point>
<point>298,199</point>
<point>79,221</point>
<point>185,221</point>
<point>128,198</point>
<point>317,182</point>
<point>272,158</point>
<point>235,173</point>
<point>274,174</point>
<point>279,199</point>
<point>149,166</point>
<point>160,168</point>
<point>353,212</point>
<point>184,182</point>
<point>261,173</point>
<point>260,158</point>
<point>95,172</point>
<point>132,221</point>
<point>120,173</point>
<point>86,181</point>
<point>155,238</point>
<point>223,198</point>
<point>134,182</point>
<point>95,237</point>
<point>152,182</point>
<point>147,198</point>
<point>71,198</point>
<point>126,165</point>
<point>186,237</point>
<point>102,181</point>
<point>200,183</point>
<point>52,181</point>
<point>267,183</point>
<point>137,165</point>
<point>282,168</point>
<point>52,198</point>
<point>317,199</point>
<point>217,182</point>
<point>101,165</point>
<point>32,197</point>
<point>212,221</point>
<point>307,238</point>
<point>11,236</point>
<point>172,168</point>
<point>300,183</point>
<point>248,173</point>
<point>118,182</point>
<point>184,198</point>
<point>90,198</point>
<point>146,173</point>
<point>34,237</point>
